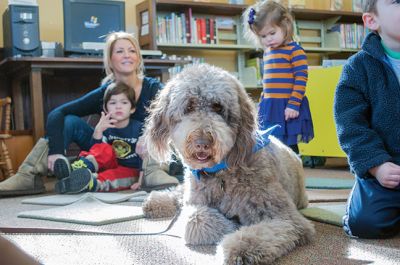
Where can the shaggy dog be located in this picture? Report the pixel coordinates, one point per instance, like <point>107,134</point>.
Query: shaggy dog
<point>242,198</point>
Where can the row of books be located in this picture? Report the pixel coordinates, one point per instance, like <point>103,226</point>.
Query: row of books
<point>173,71</point>
<point>184,28</point>
<point>351,36</point>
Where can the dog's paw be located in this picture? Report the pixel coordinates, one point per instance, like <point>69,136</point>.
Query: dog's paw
<point>239,249</point>
<point>207,226</point>
<point>160,204</point>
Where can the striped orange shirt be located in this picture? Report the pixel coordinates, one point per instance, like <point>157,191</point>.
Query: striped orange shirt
<point>285,74</point>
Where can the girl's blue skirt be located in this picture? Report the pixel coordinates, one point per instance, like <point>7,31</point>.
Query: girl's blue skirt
<point>272,112</point>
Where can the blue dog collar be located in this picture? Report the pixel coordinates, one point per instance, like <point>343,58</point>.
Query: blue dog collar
<point>261,142</point>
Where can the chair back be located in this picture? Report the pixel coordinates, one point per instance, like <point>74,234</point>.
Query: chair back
<point>5,115</point>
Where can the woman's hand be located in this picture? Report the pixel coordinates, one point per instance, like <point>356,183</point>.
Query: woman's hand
<point>51,159</point>
<point>388,174</point>
<point>291,114</point>
<point>104,123</point>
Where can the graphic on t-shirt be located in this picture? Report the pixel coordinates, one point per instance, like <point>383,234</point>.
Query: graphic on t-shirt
<point>121,148</point>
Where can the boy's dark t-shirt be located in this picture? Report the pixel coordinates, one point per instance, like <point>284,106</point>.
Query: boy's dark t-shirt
<point>123,141</point>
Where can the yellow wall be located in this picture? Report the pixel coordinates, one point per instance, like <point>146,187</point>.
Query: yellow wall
<point>51,25</point>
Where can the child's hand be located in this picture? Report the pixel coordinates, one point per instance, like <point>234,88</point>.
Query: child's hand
<point>291,114</point>
<point>135,186</point>
<point>104,123</point>
<point>388,174</point>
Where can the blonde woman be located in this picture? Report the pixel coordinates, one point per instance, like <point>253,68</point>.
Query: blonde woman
<point>123,63</point>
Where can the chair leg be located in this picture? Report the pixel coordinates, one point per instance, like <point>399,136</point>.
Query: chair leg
<point>6,156</point>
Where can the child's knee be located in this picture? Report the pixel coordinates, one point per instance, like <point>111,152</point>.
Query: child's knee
<point>371,224</point>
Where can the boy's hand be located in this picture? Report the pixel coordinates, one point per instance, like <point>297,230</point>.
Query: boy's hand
<point>291,114</point>
<point>388,174</point>
<point>104,123</point>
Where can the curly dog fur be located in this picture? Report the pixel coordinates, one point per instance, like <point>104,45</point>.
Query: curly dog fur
<point>250,207</point>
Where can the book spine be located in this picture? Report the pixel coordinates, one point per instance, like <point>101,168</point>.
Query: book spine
<point>203,31</point>
<point>198,30</point>
<point>188,19</point>
<point>208,40</point>
<point>212,36</point>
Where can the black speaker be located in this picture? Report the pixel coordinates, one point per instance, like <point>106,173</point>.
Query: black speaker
<point>21,31</point>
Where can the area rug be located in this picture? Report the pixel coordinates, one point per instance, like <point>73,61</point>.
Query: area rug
<point>87,210</point>
<point>328,183</point>
<point>330,214</point>
<point>107,197</point>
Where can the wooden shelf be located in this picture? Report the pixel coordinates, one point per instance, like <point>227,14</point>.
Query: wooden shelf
<point>206,46</point>
<point>317,14</point>
<point>200,7</point>
<point>328,49</point>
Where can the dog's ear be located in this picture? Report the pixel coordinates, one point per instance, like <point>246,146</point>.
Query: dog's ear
<point>245,139</point>
<point>157,129</point>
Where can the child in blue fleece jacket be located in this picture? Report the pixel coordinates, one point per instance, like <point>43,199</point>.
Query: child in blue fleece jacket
<point>367,115</point>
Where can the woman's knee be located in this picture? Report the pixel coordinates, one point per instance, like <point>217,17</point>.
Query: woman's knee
<point>78,131</point>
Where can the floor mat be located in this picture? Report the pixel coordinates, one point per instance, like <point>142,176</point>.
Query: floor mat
<point>328,183</point>
<point>327,195</point>
<point>330,214</point>
<point>87,210</point>
<point>107,197</point>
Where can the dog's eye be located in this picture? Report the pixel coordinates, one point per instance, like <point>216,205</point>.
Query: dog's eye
<point>190,107</point>
<point>217,108</point>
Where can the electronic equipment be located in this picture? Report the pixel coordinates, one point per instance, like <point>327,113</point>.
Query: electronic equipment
<point>21,31</point>
<point>87,23</point>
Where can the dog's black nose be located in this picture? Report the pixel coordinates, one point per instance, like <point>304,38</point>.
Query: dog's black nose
<point>202,144</point>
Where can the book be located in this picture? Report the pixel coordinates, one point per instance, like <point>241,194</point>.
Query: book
<point>208,40</point>
<point>188,21</point>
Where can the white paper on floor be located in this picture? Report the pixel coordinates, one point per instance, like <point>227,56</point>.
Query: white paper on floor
<point>87,210</point>
<point>107,197</point>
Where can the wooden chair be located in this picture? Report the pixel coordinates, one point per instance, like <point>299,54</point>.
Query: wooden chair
<point>5,120</point>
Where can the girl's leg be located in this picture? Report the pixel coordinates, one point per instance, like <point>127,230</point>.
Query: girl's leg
<point>77,131</point>
<point>372,211</point>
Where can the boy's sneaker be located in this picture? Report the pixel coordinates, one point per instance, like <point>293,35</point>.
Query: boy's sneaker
<point>79,180</point>
<point>62,168</point>
<point>83,162</point>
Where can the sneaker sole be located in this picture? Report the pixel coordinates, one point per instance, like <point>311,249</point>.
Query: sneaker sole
<point>75,183</point>
<point>62,168</point>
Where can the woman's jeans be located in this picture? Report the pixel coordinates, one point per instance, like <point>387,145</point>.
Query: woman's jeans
<point>77,131</point>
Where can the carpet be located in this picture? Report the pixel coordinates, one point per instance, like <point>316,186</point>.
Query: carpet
<point>107,197</point>
<point>328,183</point>
<point>87,210</point>
<point>330,214</point>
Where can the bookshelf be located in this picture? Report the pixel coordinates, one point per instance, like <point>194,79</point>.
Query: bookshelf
<point>318,34</point>
<point>148,12</point>
<point>156,19</point>
<point>163,26</point>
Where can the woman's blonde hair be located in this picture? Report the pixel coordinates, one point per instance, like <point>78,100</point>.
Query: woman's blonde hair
<point>108,49</point>
<point>263,13</point>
